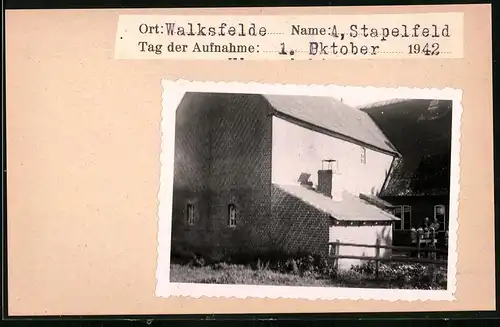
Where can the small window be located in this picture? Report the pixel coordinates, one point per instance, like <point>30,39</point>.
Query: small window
<point>440,216</point>
<point>232,215</point>
<point>363,155</point>
<point>190,214</point>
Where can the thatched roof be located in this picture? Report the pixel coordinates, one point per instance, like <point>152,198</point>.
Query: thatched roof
<point>421,131</point>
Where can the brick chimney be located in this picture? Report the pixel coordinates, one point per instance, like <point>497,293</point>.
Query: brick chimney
<point>327,184</point>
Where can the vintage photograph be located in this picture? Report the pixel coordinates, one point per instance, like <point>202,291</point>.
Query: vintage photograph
<point>343,191</point>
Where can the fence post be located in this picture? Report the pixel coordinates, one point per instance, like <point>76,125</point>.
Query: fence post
<point>377,262</point>
<point>418,248</point>
<point>337,252</point>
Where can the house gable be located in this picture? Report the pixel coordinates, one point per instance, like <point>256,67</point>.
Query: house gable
<point>331,117</point>
<point>297,150</point>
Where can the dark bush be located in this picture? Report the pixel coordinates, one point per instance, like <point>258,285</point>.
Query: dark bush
<point>410,274</point>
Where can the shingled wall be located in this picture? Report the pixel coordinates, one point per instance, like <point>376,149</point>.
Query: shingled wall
<point>297,226</point>
<point>223,156</point>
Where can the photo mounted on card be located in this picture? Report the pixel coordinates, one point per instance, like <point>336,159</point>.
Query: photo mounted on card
<point>308,191</point>
<point>250,160</point>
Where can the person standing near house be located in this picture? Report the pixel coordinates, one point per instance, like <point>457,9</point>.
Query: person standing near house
<point>435,227</point>
<point>420,236</point>
<point>426,234</point>
<point>427,226</point>
<point>435,224</point>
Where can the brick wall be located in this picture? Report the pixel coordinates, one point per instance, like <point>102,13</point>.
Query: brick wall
<point>240,172</point>
<point>296,226</point>
<point>222,156</point>
<point>192,137</point>
<point>186,236</point>
<point>191,159</point>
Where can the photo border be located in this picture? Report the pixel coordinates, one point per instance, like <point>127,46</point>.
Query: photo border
<point>173,91</point>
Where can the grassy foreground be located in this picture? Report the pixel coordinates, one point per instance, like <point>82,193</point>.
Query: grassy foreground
<point>238,274</point>
<point>400,276</point>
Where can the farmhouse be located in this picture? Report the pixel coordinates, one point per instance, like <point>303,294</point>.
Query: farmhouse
<point>256,173</point>
<point>419,182</point>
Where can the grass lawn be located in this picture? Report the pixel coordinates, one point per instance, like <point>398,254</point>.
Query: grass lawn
<point>237,274</point>
<point>240,274</point>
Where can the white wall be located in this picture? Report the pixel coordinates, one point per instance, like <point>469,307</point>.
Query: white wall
<point>299,150</point>
<point>360,235</point>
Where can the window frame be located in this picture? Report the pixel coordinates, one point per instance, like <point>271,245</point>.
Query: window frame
<point>442,227</point>
<point>232,221</point>
<point>363,155</point>
<point>406,215</point>
<point>190,214</point>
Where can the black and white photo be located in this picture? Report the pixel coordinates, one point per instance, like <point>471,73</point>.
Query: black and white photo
<point>308,191</point>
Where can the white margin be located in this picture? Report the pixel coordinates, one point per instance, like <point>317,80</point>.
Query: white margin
<point>173,92</point>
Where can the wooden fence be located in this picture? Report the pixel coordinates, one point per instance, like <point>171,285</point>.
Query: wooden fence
<point>432,261</point>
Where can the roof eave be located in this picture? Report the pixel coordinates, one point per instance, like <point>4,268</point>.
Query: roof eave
<point>329,132</point>
<point>366,221</point>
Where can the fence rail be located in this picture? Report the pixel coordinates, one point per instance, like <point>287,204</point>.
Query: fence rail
<point>393,259</point>
<point>391,247</point>
<point>377,259</point>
